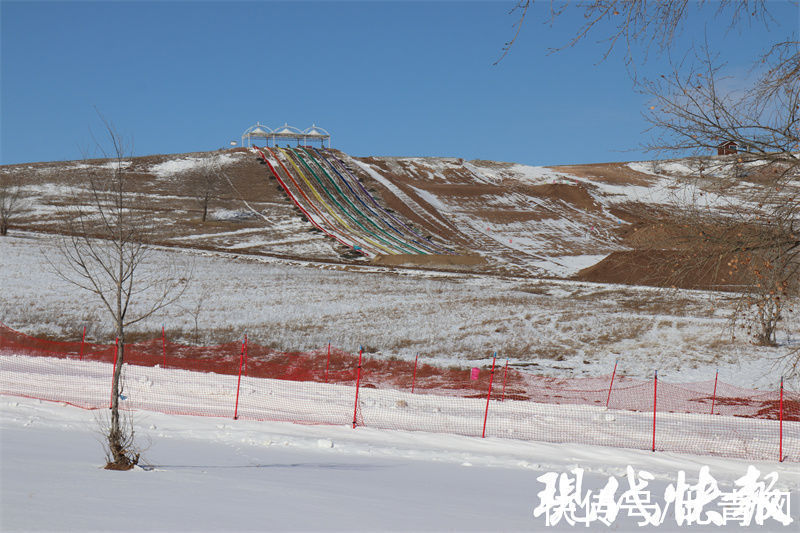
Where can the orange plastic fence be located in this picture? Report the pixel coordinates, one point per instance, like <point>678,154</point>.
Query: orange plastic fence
<point>319,387</point>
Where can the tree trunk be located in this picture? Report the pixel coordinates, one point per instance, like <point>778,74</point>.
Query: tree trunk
<point>116,438</point>
<point>206,199</point>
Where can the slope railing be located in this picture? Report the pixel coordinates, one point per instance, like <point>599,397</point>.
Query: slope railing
<point>309,206</point>
<point>314,192</point>
<point>408,236</point>
<point>370,219</point>
<point>353,214</point>
<point>303,210</point>
<point>370,216</point>
<point>343,166</point>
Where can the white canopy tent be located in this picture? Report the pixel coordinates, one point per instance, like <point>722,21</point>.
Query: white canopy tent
<point>286,133</point>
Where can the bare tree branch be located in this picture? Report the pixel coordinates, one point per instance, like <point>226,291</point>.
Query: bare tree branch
<point>10,191</point>
<point>640,24</point>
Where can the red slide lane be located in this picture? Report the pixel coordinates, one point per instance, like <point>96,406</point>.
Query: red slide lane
<point>300,207</point>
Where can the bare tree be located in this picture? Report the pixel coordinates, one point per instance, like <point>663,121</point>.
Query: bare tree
<point>753,242</point>
<point>104,252</point>
<point>10,190</point>
<point>208,184</point>
<point>195,310</point>
<point>692,112</point>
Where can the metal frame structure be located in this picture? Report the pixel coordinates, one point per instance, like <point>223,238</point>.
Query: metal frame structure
<point>256,131</point>
<point>286,133</point>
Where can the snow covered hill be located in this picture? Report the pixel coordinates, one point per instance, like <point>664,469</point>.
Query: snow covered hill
<point>551,327</point>
<point>521,220</point>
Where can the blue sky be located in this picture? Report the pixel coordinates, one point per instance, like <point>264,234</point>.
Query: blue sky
<point>385,78</point>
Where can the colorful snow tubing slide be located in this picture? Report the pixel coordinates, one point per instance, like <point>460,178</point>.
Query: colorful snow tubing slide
<point>335,202</point>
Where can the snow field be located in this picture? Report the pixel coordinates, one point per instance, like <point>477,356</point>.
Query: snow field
<point>173,167</point>
<point>556,328</point>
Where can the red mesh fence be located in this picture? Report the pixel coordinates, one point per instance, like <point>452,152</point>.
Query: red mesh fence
<point>319,387</point>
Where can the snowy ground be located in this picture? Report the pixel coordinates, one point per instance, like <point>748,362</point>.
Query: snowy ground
<point>558,328</point>
<point>215,474</point>
<point>625,424</point>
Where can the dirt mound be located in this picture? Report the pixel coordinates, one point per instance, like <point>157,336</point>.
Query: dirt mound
<point>611,173</point>
<point>658,235</point>
<point>660,268</point>
<point>571,194</point>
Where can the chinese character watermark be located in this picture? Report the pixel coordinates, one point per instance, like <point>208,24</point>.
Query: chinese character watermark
<point>753,500</point>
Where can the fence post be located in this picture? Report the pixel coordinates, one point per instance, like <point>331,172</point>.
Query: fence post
<point>655,396</point>
<point>780,416</point>
<point>238,384</point>
<point>414,379</point>
<point>164,345</point>
<point>328,363</point>
<point>358,382</point>
<point>113,373</point>
<point>505,371</point>
<point>714,396</point>
<point>244,352</point>
<point>614,373</point>
<point>83,340</point>
<point>488,397</point>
